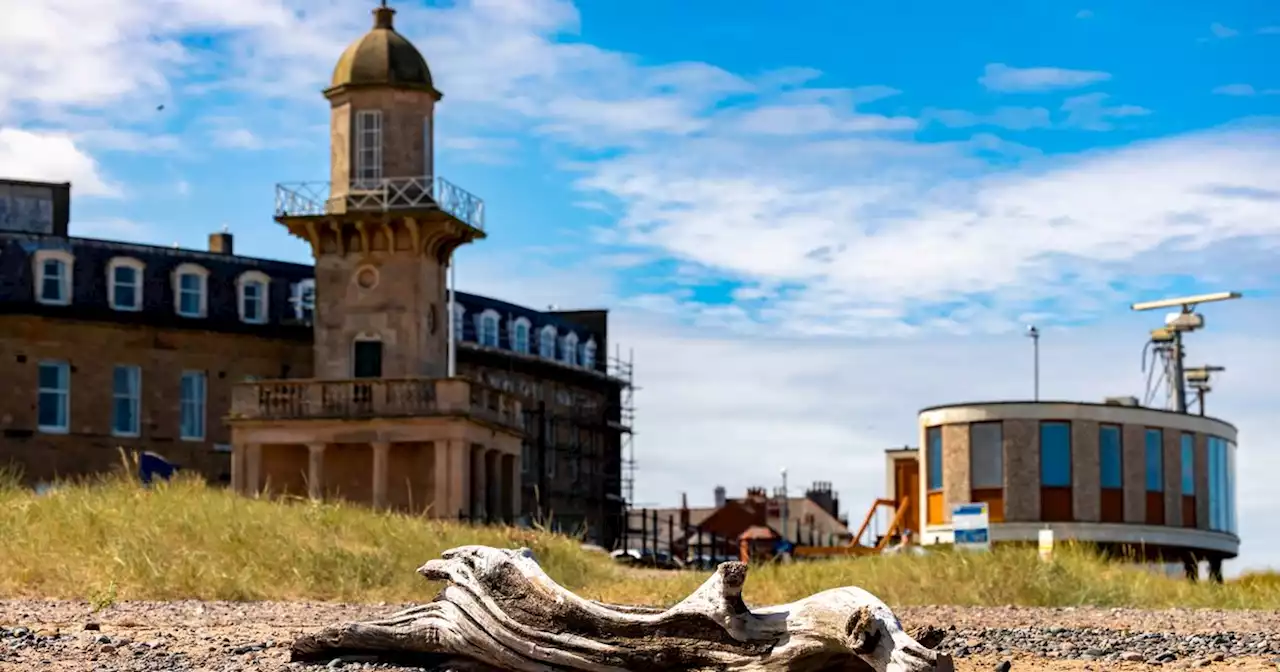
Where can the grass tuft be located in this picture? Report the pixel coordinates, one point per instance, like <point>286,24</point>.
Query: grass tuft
<point>110,539</point>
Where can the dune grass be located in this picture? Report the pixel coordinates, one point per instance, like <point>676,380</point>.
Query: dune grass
<point>112,540</point>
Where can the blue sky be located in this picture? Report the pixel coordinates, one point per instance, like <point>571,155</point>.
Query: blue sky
<point>808,222</point>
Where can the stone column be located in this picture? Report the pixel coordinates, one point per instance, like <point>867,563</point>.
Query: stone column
<point>315,470</point>
<point>237,468</point>
<point>441,480</point>
<point>1021,470</point>
<point>956,482</point>
<point>1172,450</point>
<point>480,477</point>
<point>1086,472</point>
<point>381,452</point>
<point>253,469</point>
<point>1134,461</point>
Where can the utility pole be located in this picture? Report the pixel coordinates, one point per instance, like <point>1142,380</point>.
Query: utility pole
<point>785,505</point>
<point>1034,334</point>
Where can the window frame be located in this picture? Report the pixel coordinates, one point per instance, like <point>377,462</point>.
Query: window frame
<point>999,446</point>
<point>548,335</point>
<point>1147,463</point>
<point>243,282</point>
<point>1102,461</point>
<point>297,296</point>
<point>367,171</point>
<point>1070,475</point>
<point>933,459</point>
<point>67,261</point>
<point>459,322</point>
<point>569,349</point>
<point>202,274</point>
<point>184,403</point>
<point>518,328</point>
<point>139,269</point>
<point>133,397</point>
<point>63,393</point>
<point>489,324</point>
<point>1187,455</point>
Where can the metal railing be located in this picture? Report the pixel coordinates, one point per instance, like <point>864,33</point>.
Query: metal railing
<point>310,199</point>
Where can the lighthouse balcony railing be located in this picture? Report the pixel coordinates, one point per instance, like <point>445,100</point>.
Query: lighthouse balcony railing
<point>386,194</point>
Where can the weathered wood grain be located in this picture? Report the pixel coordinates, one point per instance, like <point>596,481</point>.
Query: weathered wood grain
<point>500,611</point>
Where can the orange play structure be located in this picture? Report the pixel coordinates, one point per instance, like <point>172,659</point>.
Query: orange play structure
<point>855,546</point>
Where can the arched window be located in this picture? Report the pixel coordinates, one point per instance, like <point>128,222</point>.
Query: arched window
<point>251,289</point>
<point>487,328</point>
<point>519,335</point>
<point>547,342</point>
<point>459,323</point>
<point>589,354</point>
<point>304,300</point>
<point>53,276</point>
<point>569,349</point>
<point>124,283</point>
<point>191,290</point>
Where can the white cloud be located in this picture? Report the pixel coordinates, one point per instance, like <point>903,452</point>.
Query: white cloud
<point>1012,118</point>
<point>1222,32</point>
<point>1091,113</point>
<point>1235,90</point>
<point>1084,14</point>
<point>1269,30</point>
<point>1003,78</point>
<point>741,408</point>
<point>51,157</point>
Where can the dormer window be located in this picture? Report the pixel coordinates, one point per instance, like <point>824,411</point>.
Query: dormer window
<point>519,335</point>
<point>569,349</point>
<point>368,152</point>
<point>190,290</point>
<point>487,328</point>
<point>124,283</point>
<point>589,354</point>
<point>459,325</point>
<point>53,277</point>
<point>304,300</point>
<point>251,290</point>
<point>547,342</point>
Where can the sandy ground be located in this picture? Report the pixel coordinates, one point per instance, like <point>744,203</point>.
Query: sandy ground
<point>191,635</point>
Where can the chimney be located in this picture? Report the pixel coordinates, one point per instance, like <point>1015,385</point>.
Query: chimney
<point>720,496</point>
<point>221,242</point>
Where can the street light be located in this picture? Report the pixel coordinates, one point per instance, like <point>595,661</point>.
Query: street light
<point>1034,334</point>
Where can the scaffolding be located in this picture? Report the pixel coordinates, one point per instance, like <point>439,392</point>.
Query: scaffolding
<point>623,370</point>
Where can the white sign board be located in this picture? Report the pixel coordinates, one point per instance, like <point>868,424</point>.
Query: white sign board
<point>1046,545</point>
<point>972,526</point>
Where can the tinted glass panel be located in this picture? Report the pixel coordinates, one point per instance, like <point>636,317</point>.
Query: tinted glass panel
<point>1055,454</point>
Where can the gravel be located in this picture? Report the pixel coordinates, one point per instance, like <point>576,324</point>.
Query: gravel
<point>225,636</point>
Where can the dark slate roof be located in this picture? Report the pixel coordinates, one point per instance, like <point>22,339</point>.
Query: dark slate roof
<point>89,289</point>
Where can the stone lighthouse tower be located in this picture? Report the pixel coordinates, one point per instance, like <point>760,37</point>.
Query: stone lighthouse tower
<point>385,230</point>
<point>382,231</point>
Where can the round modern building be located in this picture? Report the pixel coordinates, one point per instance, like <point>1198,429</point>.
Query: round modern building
<point>1153,484</point>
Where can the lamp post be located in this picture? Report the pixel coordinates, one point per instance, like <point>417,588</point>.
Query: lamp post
<point>1034,334</point>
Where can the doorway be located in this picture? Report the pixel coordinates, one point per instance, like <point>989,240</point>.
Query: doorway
<point>367,359</point>
<point>906,483</point>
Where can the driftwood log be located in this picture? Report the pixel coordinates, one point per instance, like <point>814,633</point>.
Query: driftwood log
<point>500,611</point>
